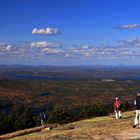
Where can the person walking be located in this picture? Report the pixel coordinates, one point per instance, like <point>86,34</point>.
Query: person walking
<point>42,118</point>
<point>117,108</point>
<point>137,104</point>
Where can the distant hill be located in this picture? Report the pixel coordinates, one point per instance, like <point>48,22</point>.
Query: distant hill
<point>87,72</point>
<point>100,128</point>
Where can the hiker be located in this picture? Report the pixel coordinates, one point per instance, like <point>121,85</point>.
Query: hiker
<point>42,118</point>
<point>117,108</point>
<point>137,104</point>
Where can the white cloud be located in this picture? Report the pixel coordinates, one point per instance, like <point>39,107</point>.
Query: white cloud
<point>11,50</point>
<point>52,51</point>
<point>8,47</point>
<point>67,55</point>
<point>44,44</point>
<point>134,42</point>
<point>124,49</point>
<point>47,31</point>
<point>128,26</point>
<point>105,51</point>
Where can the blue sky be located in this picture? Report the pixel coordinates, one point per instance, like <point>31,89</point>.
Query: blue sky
<point>70,32</point>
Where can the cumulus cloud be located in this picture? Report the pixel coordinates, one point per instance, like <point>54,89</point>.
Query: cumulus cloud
<point>32,50</point>
<point>47,31</point>
<point>102,51</point>
<point>44,44</point>
<point>134,42</point>
<point>8,47</point>
<point>52,51</point>
<point>10,50</point>
<point>125,49</point>
<point>128,26</point>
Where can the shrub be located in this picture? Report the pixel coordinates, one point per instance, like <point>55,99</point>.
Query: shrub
<point>25,120</point>
<point>15,113</point>
<point>4,124</point>
<point>59,115</point>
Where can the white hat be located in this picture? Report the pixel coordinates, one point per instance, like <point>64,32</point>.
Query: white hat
<point>116,98</point>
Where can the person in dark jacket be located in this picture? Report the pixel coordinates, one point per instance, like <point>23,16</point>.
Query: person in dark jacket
<point>42,118</point>
<point>137,104</point>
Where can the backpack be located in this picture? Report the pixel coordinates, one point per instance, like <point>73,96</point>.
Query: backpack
<point>118,104</point>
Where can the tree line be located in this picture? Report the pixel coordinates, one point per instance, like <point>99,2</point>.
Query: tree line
<point>20,117</point>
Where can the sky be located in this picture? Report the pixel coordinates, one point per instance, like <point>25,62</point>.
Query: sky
<point>70,32</point>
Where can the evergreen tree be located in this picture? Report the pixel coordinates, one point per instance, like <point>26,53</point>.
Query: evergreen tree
<point>59,115</point>
<point>4,124</point>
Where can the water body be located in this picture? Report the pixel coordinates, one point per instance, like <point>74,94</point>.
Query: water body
<point>33,77</point>
<point>59,78</point>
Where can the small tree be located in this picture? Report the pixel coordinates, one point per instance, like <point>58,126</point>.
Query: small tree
<point>21,118</point>
<point>15,113</point>
<point>59,115</point>
<point>25,120</point>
